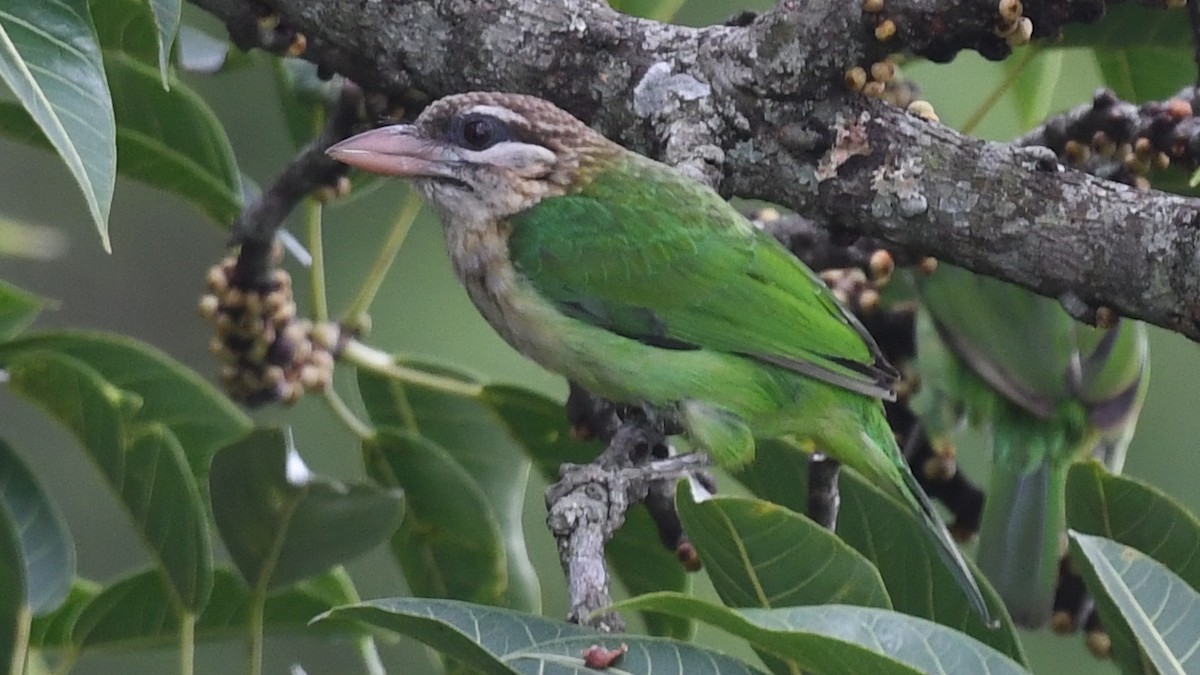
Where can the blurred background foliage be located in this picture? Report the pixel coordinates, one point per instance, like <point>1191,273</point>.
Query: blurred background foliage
<point>162,246</point>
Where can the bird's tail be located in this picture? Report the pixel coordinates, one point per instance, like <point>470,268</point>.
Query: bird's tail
<point>884,466</point>
<point>1020,538</point>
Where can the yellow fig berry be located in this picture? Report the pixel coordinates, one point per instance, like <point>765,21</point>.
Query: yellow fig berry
<point>885,30</point>
<point>1022,34</point>
<point>856,77</point>
<point>1010,10</point>
<point>883,71</point>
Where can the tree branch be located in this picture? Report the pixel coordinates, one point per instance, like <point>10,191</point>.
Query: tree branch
<point>759,110</point>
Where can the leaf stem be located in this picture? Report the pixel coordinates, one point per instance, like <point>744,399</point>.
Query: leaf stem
<point>312,220</point>
<point>370,656</point>
<point>343,412</point>
<point>998,92</point>
<point>187,643</point>
<point>373,360</point>
<point>258,604</point>
<point>353,317</point>
<point>20,652</point>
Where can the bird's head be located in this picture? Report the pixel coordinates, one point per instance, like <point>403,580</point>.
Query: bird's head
<point>482,155</point>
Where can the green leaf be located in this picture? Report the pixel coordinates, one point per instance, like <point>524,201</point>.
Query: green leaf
<point>50,59</point>
<point>166,18</point>
<point>886,532</point>
<point>843,638</point>
<point>128,27</point>
<point>760,554</point>
<point>200,417</point>
<point>18,309</point>
<point>54,629</point>
<point>280,523</point>
<point>503,642</point>
<point>142,462</point>
<point>15,614</point>
<point>1130,24</point>
<point>170,140</point>
<point>1034,87</point>
<point>134,612</point>
<point>1153,73</point>
<point>46,547</point>
<point>1133,513</point>
<point>303,97</point>
<point>1134,590</point>
<point>448,547</point>
<point>635,554</point>
<point>1137,515</point>
<point>481,443</point>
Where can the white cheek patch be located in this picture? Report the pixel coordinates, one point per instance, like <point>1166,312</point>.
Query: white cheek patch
<point>524,159</point>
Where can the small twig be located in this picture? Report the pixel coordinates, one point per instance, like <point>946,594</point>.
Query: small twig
<point>824,499</point>
<point>379,362</point>
<point>310,169</point>
<point>588,504</point>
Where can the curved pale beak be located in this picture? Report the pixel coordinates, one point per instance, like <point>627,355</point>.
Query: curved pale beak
<point>396,150</point>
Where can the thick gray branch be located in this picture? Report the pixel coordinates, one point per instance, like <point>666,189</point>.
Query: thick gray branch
<point>758,110</point>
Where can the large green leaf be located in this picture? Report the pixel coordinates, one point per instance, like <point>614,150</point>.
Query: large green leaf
<point>169,139</point>
<point>503,642</point>
<point>1137,515</point>
<point>46,547</point>
<point>14,607</point>
<point>199,416</point>
<point>479,441</point>
<point>447,547</point>
<point>844,639</point>
<point>134,612</point>
<point>761,554</point>
<point>886,532</point>
<point>635,554</point>
<point>50,59</point>
<point>282,524</point>
<point>142,462</point>
<point>1133,590</point>
<point>18,309</point>
<point>172,140</point>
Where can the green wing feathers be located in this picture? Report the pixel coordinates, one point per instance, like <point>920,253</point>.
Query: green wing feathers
<point>656,258</point>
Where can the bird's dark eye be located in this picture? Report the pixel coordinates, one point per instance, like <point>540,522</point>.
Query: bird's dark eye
<point>478,132</point>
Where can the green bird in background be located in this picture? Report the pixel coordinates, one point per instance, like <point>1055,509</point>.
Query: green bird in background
<point>648,288</point>
<point>1049,389</point>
